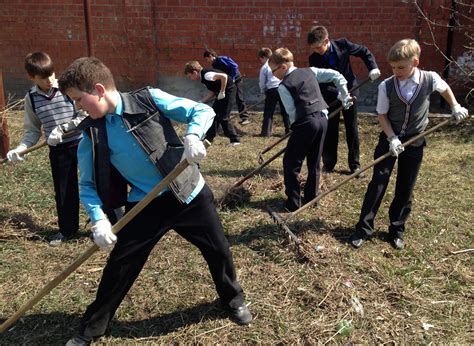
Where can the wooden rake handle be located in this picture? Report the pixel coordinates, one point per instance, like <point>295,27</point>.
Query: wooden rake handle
<point>362,169</point>
<point>89,252</point>
<point>28,150</point>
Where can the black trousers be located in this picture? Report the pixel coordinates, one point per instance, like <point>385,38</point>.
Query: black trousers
<point>222,109</point>
<point>306,141</point>
<point>271,98</point>
<point>409,163</point>
<point>63,160</point>
<point>196,222</point>
<point>239,98</point>
<point>332,139</point>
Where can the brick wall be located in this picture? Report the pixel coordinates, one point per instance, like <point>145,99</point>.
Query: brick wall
<point>144,41</point>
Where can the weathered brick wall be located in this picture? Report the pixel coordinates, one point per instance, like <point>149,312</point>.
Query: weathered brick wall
<point>144,41</point>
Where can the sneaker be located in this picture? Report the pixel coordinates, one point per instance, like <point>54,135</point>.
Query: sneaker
<point>240,315</point>
<point>79,340</point>
<point>357,239</point>
<point>57,239</point>
<point>398,243</point>
<point>234,144</point>
<point>244,122</point>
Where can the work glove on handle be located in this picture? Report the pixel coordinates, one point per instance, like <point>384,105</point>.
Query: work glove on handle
<point>374,74</point>
<point>194,149</point>
<point>221,95</point>
<point>56,136</point>
<point>459,113</point>
<point>346,100</point>
<point>396,147</point>
<point>14,154</point>
<point>103,235</point>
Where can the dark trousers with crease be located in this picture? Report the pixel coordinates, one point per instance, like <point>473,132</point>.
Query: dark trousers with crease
<point>196,222</point>
<point>306,141</point>
<point>63,160</point>
<point>222,109</point>
<point>332,139</point>
<point>409,163</point>
<point>239,98</point>
<point>271,98</point>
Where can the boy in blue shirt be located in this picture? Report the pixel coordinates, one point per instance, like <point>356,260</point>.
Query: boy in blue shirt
<point>402,107</point>
<point>301,96</point>
<point>229,66</point>
<point>132,141</point>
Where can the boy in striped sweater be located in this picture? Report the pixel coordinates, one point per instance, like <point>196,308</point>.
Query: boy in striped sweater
<point>46,108</point>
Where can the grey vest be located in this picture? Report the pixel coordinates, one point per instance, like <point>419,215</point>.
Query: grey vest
<point>409,118</point>
<point>156,136</point>
<point>304,88</point>
<point>53,110</point>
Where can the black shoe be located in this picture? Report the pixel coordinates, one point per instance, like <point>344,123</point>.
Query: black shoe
<point>398,243</point>
<point>79,340</point>
<point>328,170</point>
<point>357,239</point>
<point>240,315</point>
<point>290,206</point>
<point>361,175</point>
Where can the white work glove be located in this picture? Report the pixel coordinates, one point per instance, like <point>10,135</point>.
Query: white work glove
<point>396,147</point>
<point>56,136</point>
<point>374,74</point>
<point>221,95</point>
<point>194,149</point>
<point>102,234</point>
<point>14,154</point>
<point>346,100</point>
<point>459,113</point>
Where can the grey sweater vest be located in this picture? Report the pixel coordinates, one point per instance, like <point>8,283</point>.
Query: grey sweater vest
<point>409,117</point>
<point>53,110</point>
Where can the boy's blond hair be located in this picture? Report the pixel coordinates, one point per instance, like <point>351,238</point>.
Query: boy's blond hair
<point>404,49</point>
<point>281,56</point>
<point>192,66</point>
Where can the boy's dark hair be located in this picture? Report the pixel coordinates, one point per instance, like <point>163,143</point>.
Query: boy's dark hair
<point>210,52</point>
<point>264,52</point>
<point>84,73</point>
<point>281,56</point>
<point>39,64</point>
<point>317,34</point>
<point>192,66</point>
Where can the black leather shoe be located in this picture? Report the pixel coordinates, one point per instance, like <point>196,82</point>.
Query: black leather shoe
<point>240,315</point>
<point>79,340</point>
<point>290,206</point>
<point>357,239</point>
<point>328,170</point>
<point>398,243</point>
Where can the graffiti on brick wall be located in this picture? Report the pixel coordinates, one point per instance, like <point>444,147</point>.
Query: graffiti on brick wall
<point>281,25</point>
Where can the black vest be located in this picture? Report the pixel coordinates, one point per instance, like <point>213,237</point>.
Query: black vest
<point>304,88</point>
<point>155,134</point>
<point>215,86</point>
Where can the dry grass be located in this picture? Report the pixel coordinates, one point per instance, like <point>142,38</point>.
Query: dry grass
<point>418,295</point>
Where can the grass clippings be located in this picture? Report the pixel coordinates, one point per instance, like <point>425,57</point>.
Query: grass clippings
<point>422,294</point>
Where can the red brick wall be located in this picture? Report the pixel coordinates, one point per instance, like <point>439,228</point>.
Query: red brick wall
<point>142,39</point>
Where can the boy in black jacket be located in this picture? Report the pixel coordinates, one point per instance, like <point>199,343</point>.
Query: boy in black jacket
<point>335,54</point>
